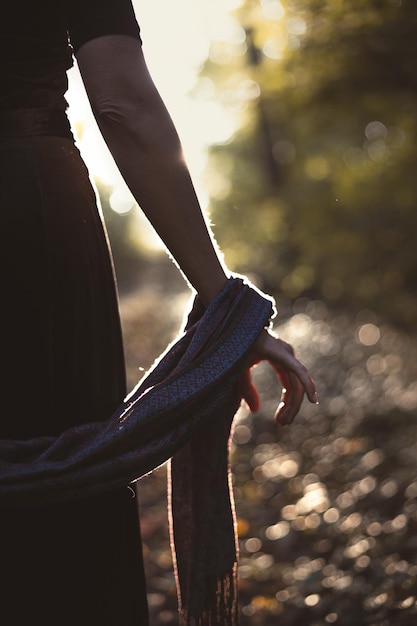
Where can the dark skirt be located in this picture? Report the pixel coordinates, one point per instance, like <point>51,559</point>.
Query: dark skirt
<point>77,563</point>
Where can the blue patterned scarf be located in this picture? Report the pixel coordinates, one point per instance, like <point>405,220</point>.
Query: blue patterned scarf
<point>181,410</point>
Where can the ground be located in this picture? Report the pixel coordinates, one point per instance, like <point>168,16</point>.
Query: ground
<point>327,508</point>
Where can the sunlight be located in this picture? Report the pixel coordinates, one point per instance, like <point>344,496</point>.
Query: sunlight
<point>176,40</point>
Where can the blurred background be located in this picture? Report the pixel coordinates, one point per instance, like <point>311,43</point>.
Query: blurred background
<point>298,120</point>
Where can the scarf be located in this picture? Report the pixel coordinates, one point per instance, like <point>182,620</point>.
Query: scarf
<point>181,410</point>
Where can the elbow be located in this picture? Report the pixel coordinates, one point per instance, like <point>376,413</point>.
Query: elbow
<point>137,120</point>
<point>118,119</point>
<point>113,114</point>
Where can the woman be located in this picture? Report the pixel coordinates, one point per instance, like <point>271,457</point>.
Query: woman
<point>80,562</point>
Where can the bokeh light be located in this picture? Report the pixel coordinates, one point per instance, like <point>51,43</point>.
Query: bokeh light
<point>200,115</point>
<point>343,518</point>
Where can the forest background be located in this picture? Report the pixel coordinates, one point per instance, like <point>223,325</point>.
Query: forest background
<point>311,189</point>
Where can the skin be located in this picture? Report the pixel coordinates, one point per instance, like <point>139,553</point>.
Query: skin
<point>144,143</point>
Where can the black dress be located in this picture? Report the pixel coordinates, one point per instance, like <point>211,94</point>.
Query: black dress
<point>77,563</point>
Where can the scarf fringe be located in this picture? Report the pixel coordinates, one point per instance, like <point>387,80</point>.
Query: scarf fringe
<point>222,603</point>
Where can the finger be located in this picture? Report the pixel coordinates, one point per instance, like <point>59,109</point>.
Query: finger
<point>281,356</point>
<point>299,370</point>
<point>291,398</point>
<point>249,392</point>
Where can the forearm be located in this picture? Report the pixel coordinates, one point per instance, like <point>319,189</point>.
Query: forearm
<point>149,156</point>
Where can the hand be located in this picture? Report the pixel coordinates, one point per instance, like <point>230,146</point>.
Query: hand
<point>293,376</point>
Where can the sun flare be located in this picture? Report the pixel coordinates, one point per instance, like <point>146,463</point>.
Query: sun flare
<point>175,52</point>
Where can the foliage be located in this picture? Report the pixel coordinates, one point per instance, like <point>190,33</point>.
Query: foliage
<point>320,191</point>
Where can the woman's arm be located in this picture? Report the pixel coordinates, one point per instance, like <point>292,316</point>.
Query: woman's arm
<point>144,143</point>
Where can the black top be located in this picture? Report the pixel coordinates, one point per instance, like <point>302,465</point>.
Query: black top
<point>37,41</point>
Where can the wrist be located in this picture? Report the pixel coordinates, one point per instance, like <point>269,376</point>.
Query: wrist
<point>208,292</point>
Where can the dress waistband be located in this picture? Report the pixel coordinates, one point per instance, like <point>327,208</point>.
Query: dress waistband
<point>28,122</point>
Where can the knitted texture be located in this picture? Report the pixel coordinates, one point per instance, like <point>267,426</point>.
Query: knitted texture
<point>182,409</point>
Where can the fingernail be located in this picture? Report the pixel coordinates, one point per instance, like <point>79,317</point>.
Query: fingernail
<point>316,398</point>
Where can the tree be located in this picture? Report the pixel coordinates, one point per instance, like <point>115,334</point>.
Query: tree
<point>322,187</point>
